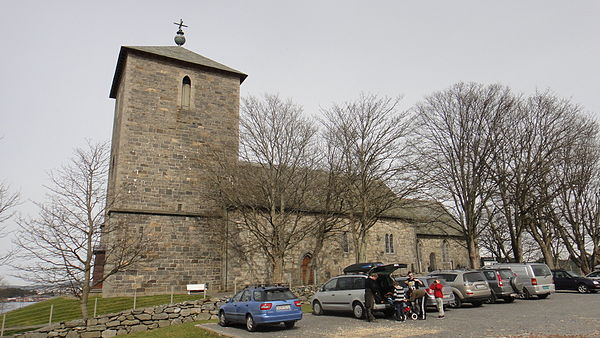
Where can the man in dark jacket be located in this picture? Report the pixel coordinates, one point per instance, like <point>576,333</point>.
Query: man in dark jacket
<point>372,295</point>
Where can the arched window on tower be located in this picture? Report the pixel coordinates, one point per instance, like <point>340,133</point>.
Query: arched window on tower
<point>186,90</point>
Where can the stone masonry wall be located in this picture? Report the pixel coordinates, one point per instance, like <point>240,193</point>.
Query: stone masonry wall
<point>245,263</point>
<point>182,250</point>
<point>162,160</point>
<point>458,256</point>
<point>165,152</point>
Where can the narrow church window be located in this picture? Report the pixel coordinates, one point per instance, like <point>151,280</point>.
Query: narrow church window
<point>186,92</point>
<point>344,244</point>
<point>389,243</point>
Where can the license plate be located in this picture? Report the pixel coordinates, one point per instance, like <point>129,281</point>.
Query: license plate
<point>545,287</point>
<point>480,287</point>
<point>283,307</point>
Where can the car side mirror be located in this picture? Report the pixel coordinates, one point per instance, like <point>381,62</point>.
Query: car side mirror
<point>228,300</point>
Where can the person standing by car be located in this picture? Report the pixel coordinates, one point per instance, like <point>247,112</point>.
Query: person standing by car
<point>372,294</point>
<point>437,287</point>
<point>412,282</point>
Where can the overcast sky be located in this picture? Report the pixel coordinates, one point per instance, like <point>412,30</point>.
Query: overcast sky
<point>58,59</point>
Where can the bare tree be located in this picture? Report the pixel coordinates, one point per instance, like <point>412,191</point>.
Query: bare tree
<point>58,245</point>
<point>577,211</point>
<point>371,137</point>
<point>8,201</point>
<point>530,140</point>
<point>271,189</point>
<point>458,129</point>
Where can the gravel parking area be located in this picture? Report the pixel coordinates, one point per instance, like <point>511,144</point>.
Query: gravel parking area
<point>563,313</point>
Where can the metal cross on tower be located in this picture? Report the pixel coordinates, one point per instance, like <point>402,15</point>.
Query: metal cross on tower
<point>180,24</point>
<point>179,38</point>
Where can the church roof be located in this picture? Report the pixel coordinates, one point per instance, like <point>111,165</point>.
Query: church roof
<point>429,217</point>
<point>176,53</point>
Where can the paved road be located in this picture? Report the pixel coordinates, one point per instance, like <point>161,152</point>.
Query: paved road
<point>564,313</point>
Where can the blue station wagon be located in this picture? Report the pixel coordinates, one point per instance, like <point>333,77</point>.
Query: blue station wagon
<point>261,305</point>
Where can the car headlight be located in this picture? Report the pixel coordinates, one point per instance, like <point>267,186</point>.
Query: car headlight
<point>596,282</point>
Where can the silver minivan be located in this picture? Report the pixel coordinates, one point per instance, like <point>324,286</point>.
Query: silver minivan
<point>347,292</point>
<point>532,279</point>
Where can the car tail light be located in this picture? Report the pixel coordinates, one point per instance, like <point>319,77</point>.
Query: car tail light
<point>533,281</point>
<point>500,283</point>
<point>469,293</point>
<point>298,303</point>
<point>266,306</point>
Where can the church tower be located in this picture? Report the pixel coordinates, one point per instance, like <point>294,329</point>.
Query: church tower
<point>176,116</point>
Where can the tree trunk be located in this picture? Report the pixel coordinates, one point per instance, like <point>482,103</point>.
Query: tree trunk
<point>474,257</point>
<point>278,268</point>
<point>85,292</point>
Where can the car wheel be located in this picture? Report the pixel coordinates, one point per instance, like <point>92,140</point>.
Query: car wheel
<point>317,308</point>
<point>544,296</point>
<point>582,288</point>
<point>222,320</point>
<point>509,299</point>
<point>476,304</point>
<point>492,299</point>
<point>457,302</point>
<point>526,294</point>
<point>358,310</point>
<point>250,323</point>
<point>290,324</point>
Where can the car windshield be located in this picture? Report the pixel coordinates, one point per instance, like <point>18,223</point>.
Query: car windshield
<point>474,277</point>
<point>274,294</point>
<point>540,270</point>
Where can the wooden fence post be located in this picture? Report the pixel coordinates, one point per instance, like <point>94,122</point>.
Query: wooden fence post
<point>134,298</point>
<point>172,288</point>
<point>51,310</point>
<point>3,321</point>
<point>95,306</point>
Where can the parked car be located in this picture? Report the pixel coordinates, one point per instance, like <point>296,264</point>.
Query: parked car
<point>594,275</point>
<point>261,305</point>
<point>446,290</point>
<point>502,284</point>
<point>569,280</point>
<point>468,286</point>
<point>532,279</point>
<point>347,292</point>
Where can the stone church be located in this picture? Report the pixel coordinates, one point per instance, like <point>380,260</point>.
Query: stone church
<point>175,112</point>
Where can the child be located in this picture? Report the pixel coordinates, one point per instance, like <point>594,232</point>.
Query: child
<point>395,299</point>
<point>436,286</point>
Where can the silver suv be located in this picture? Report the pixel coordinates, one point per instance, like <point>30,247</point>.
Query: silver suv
<point>347,292</point>
<point>532,279</point>
<point>468,286</point>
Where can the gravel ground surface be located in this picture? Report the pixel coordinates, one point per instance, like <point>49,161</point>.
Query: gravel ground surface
<point>561,314</point>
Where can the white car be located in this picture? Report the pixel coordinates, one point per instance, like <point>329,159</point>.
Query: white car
<point>346,293</point>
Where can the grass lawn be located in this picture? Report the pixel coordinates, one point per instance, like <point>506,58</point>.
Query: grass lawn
<point>179,331</point>
<point>68,308</point>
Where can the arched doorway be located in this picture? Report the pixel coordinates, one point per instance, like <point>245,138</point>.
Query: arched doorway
<point>432,265</point>
<point>308,277</point>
